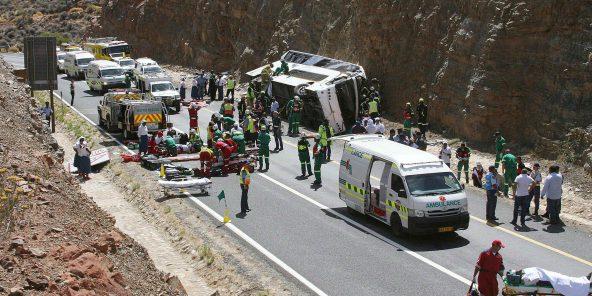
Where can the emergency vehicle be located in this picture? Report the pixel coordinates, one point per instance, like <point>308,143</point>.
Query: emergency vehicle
<point>161,89</point>
<point>76,62</point>
<point>124,110</point>
<point>103,75</point>
<point>128,64</point>
<point>329,88</point>
<point>107,48</point>
<point>145,65</point>
<point>411,190</point>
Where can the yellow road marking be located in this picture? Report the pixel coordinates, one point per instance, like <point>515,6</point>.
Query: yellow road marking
<point>528,239</point>
<point>533,241</point>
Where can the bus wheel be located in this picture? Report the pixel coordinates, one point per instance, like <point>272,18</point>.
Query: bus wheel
<point>396,226</point>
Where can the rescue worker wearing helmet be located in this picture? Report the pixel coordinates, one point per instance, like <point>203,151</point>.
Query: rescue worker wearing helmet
<point>422,116</point>
<point>326,132</point>
<point>304,155</point>
<point>294,108</point>
<point>263,140</point>
<point>318,151</point>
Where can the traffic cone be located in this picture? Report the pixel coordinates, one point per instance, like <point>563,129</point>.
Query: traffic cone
<point>226,216</point>
<point>162,174</point>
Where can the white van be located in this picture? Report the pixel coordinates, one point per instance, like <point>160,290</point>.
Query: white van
<point>141,63</point>
<point>102,75</point>
<point>411,190</point>
<point>128,64</point>
<point>76,62</point>
<point>60,56</point>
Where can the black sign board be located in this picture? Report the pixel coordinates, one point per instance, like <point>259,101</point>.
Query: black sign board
<point>40,61</point>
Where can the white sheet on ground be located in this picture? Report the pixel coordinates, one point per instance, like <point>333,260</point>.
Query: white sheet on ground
<point>185,183</point>
<point>566,285</point>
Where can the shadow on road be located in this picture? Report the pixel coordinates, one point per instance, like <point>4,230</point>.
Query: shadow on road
<point>433,242</point>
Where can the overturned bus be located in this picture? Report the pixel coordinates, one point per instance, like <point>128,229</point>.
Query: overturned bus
<point>329,88</point>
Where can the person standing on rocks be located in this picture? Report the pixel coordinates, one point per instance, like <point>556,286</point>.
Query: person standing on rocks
<point>422,116</point>
<point>407,119</point>
<point>47,112</point>
<point>445,153</point>
<point>500,145</point>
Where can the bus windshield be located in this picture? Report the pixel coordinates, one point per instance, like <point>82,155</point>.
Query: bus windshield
<point>432,184</point>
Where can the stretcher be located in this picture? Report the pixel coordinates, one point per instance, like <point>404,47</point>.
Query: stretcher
<point>515,282</point>
<point>184,185</point>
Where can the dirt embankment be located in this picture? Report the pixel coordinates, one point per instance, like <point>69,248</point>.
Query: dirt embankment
<point>516,66</point>
<point>54,239</point>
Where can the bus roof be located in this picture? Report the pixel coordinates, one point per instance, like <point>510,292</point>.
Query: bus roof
<point>391,151</point>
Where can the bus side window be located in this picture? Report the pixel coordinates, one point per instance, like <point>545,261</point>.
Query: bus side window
<point>397,186</point>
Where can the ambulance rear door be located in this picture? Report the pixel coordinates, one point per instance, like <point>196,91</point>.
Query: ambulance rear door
<point>353,177</point>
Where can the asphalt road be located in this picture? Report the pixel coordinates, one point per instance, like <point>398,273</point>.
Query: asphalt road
<point>356,255</point>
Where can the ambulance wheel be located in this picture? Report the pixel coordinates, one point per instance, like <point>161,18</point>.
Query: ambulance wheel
<point>396,226</point>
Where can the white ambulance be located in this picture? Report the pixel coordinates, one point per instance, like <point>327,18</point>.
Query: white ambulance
<point>411,190</point>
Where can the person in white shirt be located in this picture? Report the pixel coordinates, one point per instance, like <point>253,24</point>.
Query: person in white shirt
<point>143,136</point>
<point>275,106</point>
<point>370,127</point>
<point>553,190</point>
<point>523,184</point>
<point>221,83</point>
<point>445,153</point>
<point>536,190</point>
<point>379,126</point>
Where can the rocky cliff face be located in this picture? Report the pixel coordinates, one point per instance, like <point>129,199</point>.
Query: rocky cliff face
<point>518,66</point>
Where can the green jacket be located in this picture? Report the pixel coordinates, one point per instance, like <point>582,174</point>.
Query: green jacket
<point>264,138</point>
<point>239,138</point>
<point>169,142</point>
<point>303,153</point>
<point>289,107</point>
<point>510,163</point>
<point>500,143</point>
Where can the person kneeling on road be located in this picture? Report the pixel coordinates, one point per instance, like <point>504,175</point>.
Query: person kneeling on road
<point>170,145</point>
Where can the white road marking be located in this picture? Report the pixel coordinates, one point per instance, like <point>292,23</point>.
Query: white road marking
<point>230,226</point>
<point>94,124</point>
<point>370,231</point>
<point>258,247</point>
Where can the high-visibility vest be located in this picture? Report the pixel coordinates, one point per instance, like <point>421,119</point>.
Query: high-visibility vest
<point>228,109</point>
<point>323,135</point>
<point>245,177</point>
<point>373,106</point>
<point>230,84</point>
<point>250,125</point>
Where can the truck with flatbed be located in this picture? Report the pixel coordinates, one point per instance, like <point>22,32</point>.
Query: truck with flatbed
<point>124,110</point>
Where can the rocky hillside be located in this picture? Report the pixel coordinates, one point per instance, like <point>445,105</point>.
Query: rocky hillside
<point>65,19</point>
<point>518,66</point>
<point>54,240</point>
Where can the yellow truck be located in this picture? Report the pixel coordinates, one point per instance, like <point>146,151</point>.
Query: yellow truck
<point>107,48</point>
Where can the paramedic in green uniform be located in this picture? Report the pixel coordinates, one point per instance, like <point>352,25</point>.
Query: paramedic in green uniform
<point>500,145</point>
<point>264,140</point>
<point>239,138</point>
<point>304,155</point>
<point>510,170</point>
